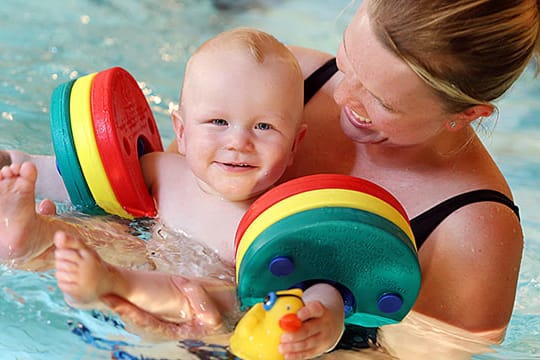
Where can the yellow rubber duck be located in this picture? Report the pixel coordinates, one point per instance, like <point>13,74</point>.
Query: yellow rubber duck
<point>257,335</point>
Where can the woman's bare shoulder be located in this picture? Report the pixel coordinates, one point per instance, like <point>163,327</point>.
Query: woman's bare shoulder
<point>474,254</point>
<point>309,59</point>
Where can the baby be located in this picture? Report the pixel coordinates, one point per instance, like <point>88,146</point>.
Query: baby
<point>237,128</point>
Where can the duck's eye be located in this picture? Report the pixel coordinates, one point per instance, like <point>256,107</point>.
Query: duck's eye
<point>269,301</point>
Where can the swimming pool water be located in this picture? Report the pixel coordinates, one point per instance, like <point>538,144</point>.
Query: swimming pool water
<point>46,43</point>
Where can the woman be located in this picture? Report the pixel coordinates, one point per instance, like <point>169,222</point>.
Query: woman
<point>412,77</point>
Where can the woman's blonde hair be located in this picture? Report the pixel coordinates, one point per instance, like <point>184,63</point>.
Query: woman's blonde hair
<point>469,51</point>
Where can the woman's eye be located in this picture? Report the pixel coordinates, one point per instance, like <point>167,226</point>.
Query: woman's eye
<point>219,122</point>
<point>263,126</point>
<point>386,107</point>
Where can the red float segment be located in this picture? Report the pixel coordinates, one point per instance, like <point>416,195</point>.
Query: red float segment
<point>125,129</point>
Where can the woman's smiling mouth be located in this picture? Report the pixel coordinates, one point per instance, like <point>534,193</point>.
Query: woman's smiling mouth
<point>356,120</point>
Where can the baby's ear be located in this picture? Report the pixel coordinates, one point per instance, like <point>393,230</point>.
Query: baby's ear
<point>178,125</point>
<point>300,134</point>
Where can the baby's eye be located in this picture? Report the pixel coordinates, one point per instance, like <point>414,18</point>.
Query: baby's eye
<point>263,126</point>
<point>220,122</point>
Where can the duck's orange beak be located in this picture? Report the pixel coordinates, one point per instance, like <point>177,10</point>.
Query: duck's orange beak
<point>290,323</point>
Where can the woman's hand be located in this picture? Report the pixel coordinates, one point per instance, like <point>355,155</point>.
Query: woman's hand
<point>150,326</point>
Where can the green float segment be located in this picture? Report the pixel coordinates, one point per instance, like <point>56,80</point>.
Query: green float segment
<point>101,124</point>
<point>66,156</point>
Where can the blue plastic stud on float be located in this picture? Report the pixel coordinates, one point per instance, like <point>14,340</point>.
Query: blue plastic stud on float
<point>389,303</point>
<point>281,266</point>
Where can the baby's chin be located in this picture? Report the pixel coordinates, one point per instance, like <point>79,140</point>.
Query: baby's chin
<point>233,191</point>
<point>241,197</point>
<point>232,195</point>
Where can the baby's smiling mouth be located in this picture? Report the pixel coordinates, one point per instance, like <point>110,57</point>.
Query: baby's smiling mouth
<point>236,165</point>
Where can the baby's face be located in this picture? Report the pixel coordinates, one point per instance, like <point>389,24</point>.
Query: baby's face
<point>241,123</point>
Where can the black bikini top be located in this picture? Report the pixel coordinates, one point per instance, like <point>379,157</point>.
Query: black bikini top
<point>424,224</point>
<point>318,78</point>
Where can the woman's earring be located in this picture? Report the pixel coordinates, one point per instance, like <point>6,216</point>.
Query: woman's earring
<point>452,124</point>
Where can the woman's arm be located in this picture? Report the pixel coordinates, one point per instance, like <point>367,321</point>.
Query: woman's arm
<point>470,266</point>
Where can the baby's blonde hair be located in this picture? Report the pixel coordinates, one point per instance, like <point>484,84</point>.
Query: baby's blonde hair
<point>469,51</point>
<point>259,44</point>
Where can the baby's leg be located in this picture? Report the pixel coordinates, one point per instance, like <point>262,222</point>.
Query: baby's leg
<point>49,183</point>
<point>86,279</point>
<point>46,206</point>
<point>19,219</point>
<point>81,274</point>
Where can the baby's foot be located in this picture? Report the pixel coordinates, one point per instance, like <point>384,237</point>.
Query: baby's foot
<point>46,207</point>
<point>81,274</point>
<point>19,221</point>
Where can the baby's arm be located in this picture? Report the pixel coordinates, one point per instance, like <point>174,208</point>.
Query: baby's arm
<point>323,321</point>
<point>49,182</point>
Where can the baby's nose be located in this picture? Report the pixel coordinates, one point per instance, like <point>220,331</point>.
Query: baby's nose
<point>240,139</point>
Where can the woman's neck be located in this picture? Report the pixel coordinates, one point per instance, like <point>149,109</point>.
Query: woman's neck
<point>442,150</point>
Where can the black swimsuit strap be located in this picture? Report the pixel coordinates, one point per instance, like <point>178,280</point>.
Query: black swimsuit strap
<point>318,78</point>
<point>424,224</point>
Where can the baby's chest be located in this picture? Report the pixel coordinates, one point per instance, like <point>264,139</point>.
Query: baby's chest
<point>210,223</point>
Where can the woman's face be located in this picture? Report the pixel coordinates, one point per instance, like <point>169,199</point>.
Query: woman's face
<point>383,101</point>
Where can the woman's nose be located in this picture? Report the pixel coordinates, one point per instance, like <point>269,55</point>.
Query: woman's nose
<point>348,92</point>
<point>341,92</point>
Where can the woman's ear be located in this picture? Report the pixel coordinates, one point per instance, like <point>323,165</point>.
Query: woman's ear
<point>467,116</point>
<point>178,126</point>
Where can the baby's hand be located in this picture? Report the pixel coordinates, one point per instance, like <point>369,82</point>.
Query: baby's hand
<point>321,329</point>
